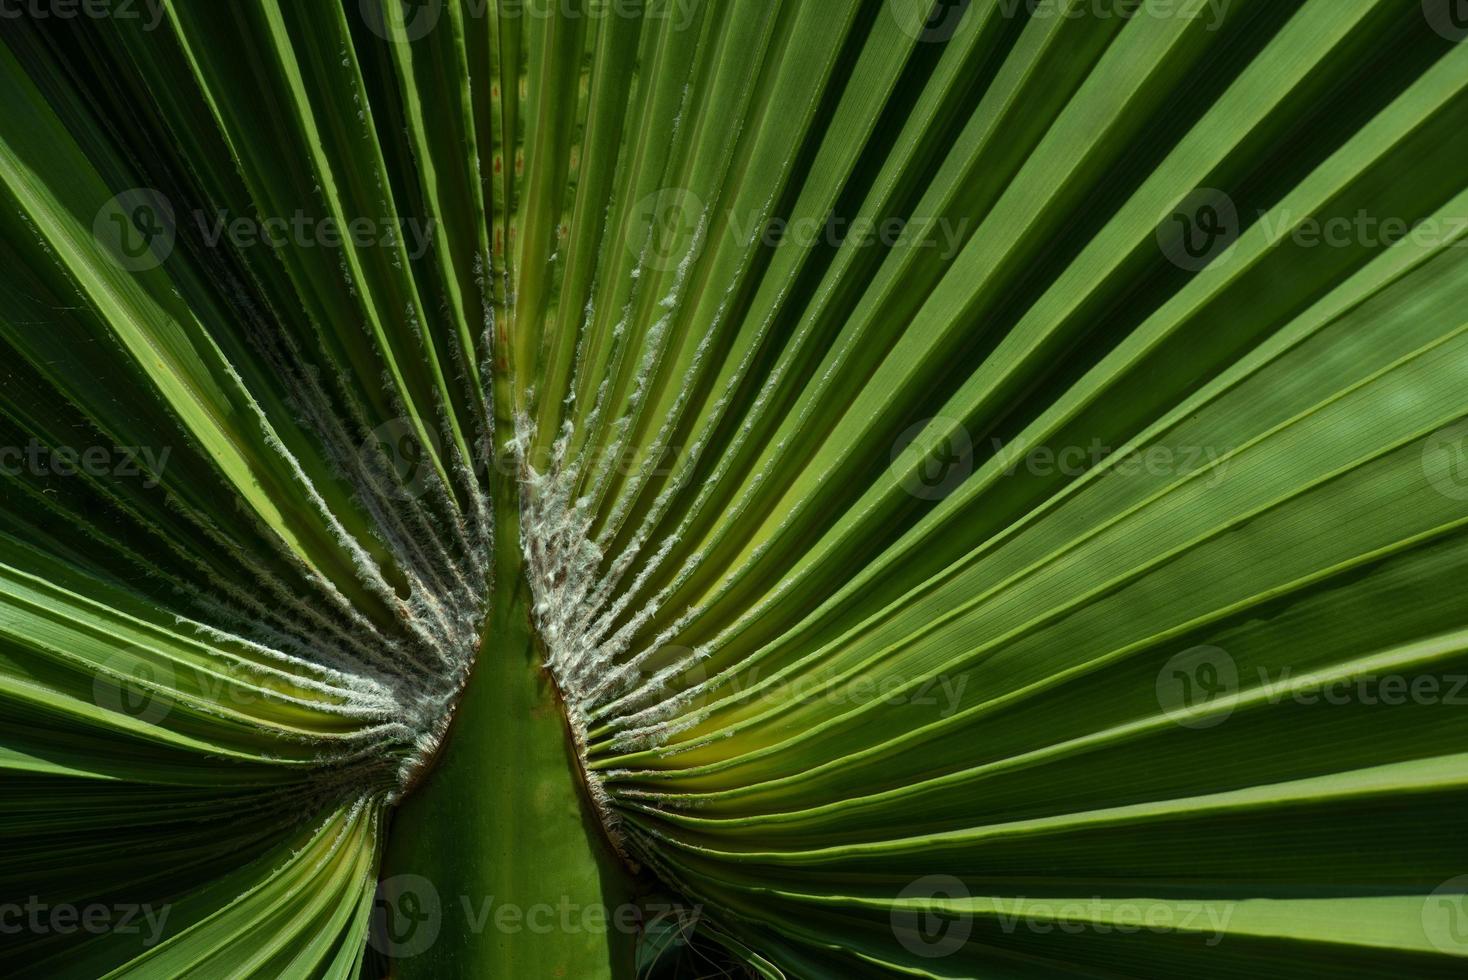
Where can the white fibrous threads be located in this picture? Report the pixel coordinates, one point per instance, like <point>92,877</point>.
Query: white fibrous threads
<point>570,583</point>
<point>425,564</point>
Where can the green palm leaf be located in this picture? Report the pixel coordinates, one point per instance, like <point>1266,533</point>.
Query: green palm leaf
<point>660,489</point>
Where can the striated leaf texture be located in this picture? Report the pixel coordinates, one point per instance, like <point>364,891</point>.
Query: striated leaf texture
<point>990,478</point>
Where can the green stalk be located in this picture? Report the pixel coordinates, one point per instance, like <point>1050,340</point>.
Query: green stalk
<point>527,883</point>
<point>501,824</point>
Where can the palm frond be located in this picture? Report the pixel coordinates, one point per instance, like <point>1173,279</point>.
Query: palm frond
<point>942,490</point>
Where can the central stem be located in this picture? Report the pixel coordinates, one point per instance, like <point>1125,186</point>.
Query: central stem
<point>526,884</point>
